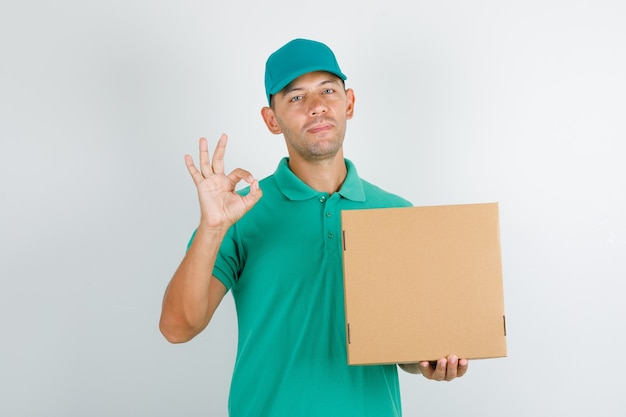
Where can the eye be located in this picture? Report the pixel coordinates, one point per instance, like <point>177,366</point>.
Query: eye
<point>295,98</point>
<point>328,91</point>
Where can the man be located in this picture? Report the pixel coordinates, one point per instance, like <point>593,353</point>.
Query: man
<point>277,247</point>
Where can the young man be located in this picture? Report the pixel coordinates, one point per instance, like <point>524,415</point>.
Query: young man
<point>277,247</point>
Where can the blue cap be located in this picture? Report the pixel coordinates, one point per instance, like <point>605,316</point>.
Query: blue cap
<point>296,58</point>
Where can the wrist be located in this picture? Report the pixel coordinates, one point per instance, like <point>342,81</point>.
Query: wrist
<point>209,232</point>
<point>211,226</point>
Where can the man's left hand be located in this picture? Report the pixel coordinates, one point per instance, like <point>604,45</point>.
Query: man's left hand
<point>444,369</point>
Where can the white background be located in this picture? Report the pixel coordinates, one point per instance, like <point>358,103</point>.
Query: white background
<point>520,102</point>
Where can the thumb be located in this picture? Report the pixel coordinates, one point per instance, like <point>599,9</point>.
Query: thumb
<point>253,196</point>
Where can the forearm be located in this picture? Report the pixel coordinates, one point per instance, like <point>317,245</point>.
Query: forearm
<point>191,296</point>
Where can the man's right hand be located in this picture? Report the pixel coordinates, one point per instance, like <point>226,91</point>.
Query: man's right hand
<point>220,205</point>
<point>193,293</point>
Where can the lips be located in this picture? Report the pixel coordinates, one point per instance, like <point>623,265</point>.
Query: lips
<point>320,126</point>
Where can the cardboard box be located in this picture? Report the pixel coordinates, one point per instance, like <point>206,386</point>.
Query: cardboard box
<point>422,283</point>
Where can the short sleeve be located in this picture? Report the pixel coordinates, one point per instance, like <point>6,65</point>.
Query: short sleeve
<point>227,264</point>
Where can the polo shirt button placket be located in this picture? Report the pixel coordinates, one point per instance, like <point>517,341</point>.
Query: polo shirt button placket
<point>332,243</point>
<point>328,214</point>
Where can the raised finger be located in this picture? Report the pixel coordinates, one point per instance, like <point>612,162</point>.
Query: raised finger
<point>193,171</point>
<point>205,165</point>
<point>218,155</point>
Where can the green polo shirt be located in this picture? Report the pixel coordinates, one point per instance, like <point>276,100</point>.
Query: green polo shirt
<point>282,263</point>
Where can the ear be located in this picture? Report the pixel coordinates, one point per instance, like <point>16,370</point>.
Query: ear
<point>349,103</point>
<point>270,120</point>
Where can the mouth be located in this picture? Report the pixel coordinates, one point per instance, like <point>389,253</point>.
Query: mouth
<point>318,127</point>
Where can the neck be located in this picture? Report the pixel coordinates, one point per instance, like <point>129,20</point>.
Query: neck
<point>325,175</point>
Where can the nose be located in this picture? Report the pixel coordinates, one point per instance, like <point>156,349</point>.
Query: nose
<point>317,107</point>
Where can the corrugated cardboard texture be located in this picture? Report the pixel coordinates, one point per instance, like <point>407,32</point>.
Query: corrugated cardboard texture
<point>422,283</point>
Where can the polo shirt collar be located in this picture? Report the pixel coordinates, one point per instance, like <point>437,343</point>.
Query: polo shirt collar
<point>295,189</point>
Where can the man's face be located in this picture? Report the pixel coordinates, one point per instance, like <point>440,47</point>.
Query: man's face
<point>311,113</point>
